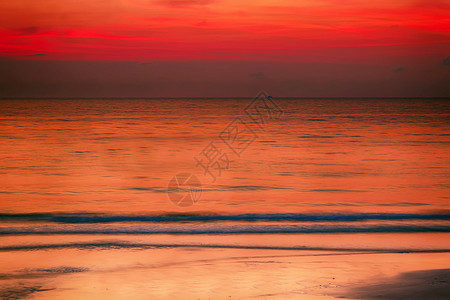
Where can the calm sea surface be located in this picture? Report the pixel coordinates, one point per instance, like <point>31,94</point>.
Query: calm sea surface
<point>195,198</point>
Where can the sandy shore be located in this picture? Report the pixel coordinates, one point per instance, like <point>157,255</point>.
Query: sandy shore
<point>427,284</point>
<point>185,273</point>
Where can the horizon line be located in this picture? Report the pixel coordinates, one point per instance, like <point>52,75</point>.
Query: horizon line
<point>218,97</point>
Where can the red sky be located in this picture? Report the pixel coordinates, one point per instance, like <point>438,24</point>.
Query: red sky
<point>271,43</point>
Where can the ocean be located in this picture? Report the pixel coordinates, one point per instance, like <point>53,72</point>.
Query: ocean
<point>221,198</point>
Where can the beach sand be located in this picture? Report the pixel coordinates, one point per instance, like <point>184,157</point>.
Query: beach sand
<point>417,285</point>
<point>215,273</point>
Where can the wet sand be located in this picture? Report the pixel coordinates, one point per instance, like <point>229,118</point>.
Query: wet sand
<point>220,273</point>
<point>417,285</point>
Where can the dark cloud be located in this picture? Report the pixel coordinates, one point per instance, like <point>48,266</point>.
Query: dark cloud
<point>436,4</point>
<point>257,75</point>
<point>146,63</point>
<point>446,62</point>
<point>36,55</point>
<point>28,30</point>
<point>400,69</point>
